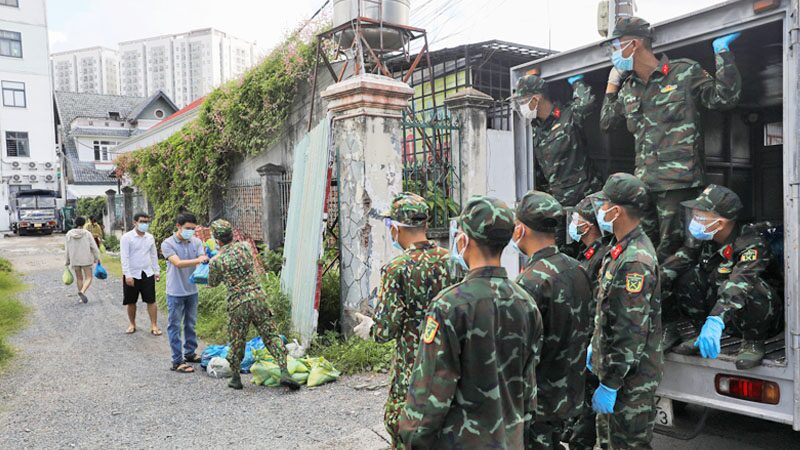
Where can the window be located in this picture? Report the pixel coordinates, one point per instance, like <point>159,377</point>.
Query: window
<point>159,114</point>
<point>13,93</point>
<point>17,144</point>
<point>102,150</point>
<point>10,44</point>
<point>773,134</point>
<point>14,3</point>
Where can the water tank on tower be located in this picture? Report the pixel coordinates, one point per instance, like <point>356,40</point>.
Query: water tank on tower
<point>376,12</point>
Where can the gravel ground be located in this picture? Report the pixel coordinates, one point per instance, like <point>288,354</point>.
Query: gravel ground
<point>80,382</point>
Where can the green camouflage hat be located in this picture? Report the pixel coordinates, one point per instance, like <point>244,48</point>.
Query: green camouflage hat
<point>221,229</point>
<point>487,220</point>
<point>409,209</point>
<point>586,208</point>
<point>625,189</point>
<point>540,211</point>
<point>529,85</point>
<point>718,200</point>
<point>631,26</point>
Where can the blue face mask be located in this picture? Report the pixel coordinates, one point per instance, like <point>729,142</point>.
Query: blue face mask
<point>143,227</point>
<point>604,225</point>
<point>573,231</point>
<point>187,234</point>
<point>458,257</point>
<point>515,244</point>
<point>698,230</point>
<point>620,62</point>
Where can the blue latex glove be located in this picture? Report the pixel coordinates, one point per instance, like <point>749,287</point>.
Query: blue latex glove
<point>589,358</point>
<point>721,43</point>
<point>572,80</point>
<point>604,399</point>
<point>710,336</point>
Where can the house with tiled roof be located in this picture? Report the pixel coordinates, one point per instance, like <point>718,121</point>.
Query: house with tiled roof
<point>91,126</point>
<point>162,130</point>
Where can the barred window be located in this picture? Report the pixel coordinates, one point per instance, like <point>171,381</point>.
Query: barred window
<point>17,144</point>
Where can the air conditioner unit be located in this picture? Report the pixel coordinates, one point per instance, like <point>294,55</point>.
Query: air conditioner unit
<point>16,179</point>
<point>15,165</point>
<point>49,178</point>
<point>32,165</point>
<point>32,177</point>
<point>48,165</point>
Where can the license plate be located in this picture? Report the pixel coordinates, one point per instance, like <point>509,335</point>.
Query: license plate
<point>37,225</point>
<point>664,414</point>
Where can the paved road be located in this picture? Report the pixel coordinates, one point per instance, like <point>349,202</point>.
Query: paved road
<point>80,382</point>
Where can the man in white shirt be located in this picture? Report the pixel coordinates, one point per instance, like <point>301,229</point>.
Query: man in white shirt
<point>140,271</point>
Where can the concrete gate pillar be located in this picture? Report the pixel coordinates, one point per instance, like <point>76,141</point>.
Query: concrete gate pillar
<point>127,213</point>
<point>469,109</point>
<point>271,223</point>
<point>367,136</point>
<point>111,209</point>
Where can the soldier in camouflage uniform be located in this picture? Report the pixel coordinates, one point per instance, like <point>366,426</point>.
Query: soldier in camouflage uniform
<point>725,276</point>
<point>582,433</point>
<point>562,292</point>
<point>626,352</point>
<point>408,284</point>
<point>473,384</point>
<point>660,101</point>
<point>234,266</point>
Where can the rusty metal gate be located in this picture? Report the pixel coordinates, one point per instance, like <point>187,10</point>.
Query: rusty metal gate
<point>243,207</point>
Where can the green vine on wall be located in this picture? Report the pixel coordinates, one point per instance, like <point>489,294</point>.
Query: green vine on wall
<point>240,118</point>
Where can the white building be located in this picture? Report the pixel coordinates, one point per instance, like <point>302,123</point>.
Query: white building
<point>185,66</point>
<point>92,70</point>
<point>28,157</point>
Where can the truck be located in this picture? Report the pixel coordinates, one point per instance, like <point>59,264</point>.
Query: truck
<point>34,211</point>
<point>753,149</point>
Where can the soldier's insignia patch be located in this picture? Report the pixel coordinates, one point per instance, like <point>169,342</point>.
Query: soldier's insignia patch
<point>724,269</point>
<point>555,127</point>
<point>749,255</point>
<point>668,88</point>
<point>431,327</point>
<point>609,275</point>
<point>634,282</point>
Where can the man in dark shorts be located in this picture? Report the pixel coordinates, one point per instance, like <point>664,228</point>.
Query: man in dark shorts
<point>140,271</point>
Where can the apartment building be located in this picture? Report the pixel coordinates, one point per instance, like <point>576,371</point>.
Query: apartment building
<point>28,157</point>
<point>92,70</point>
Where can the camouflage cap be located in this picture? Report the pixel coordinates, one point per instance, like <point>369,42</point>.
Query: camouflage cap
<point>487,220</point>
<point>529,85</point>
<point>540,211</point>
<point>718,200</point>
<point>625,189</point>
<point>631,26</point>
<point>221,228</point>
<point>409,209</point>
<point>586,208</point>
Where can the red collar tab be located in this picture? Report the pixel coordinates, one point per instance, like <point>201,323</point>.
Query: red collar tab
<point>727,252</point>
<point>557,113</point>
<point>617,251</point>
<point>665,68</point>
<point>589,253</point>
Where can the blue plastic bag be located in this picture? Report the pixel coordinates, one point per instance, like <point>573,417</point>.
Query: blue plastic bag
<point>100,272</point>
<point>200,274</point>
<point>213,351</point>
<point>255,344</point>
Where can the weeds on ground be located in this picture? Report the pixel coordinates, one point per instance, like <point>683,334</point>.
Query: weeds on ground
<point>112,264</point>
<point>12,312</point>
<point>111,243</point>
<point>354,355</point>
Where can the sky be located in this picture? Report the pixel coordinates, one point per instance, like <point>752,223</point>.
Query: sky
<point>556,24</point>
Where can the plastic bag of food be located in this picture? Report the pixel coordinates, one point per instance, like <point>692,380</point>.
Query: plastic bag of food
<point>266,372</point>
<point>100,272</point>
<point>219,368</point>
<point>67,276</point>
<point>295,366</point>
<point>322,371</point>
<point>212,351</point>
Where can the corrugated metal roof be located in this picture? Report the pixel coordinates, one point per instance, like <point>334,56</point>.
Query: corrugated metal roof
<point>303,244</point>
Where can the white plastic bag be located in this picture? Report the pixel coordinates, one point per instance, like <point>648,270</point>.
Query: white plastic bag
<point>296,350</point>
<point>219,368</point>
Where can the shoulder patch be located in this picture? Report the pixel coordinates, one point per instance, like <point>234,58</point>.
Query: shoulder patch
<point>724,269</point>
<point>749,255</point>
<point>431,327</point>
<point>634,282</point>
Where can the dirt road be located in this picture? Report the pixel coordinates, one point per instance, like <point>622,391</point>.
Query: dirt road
<point>80,382</point>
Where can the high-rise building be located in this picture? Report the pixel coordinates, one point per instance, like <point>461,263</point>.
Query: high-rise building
<point>92,70</point>
<point>185,66</point>
<point>28,157</point>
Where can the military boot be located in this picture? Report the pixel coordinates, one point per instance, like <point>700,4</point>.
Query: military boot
<point>672,335</point>
<point>288,381</point>
<point>236,381</point>
<point>750,354</point>
<point>688,336</point>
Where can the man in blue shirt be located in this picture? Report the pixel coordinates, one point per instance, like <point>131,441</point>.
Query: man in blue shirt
<point>183,252</point>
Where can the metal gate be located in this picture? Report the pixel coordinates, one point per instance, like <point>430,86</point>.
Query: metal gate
<point>429,154</point>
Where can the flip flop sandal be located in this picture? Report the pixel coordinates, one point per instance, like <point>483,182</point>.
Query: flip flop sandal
<point>192,358</point>
<point>182,368</point>
<point>156,332</point>
<point>83,297</point>
<point>130,331</point>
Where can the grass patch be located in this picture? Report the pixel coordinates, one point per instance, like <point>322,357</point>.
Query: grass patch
<point>354,355</point>
<point>112,264</point>
<point>12,312</point>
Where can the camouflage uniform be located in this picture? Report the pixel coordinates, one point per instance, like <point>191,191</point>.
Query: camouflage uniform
<point>474,379</point>
<point>234,266</point>
<point>663,114</point>
<point>726,279</point>
<point>408,284</point>
<point>582,432</point>
<point>626,345</point>
<point>562,292</point>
